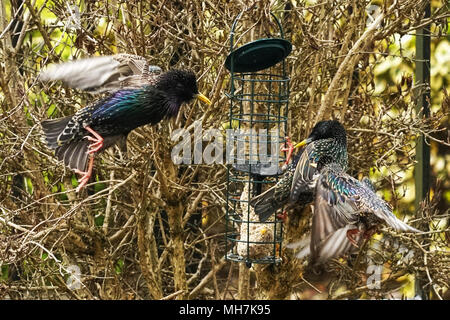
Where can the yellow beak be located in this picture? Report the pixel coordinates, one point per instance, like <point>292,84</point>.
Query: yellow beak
<point>301,144</point>
<point>203,98</point>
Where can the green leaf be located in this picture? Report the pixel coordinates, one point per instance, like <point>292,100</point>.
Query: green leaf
<point>119,266</point>
<point>29,185</point>
<point>99,187</point>
<point>74,181</point>
<point>4,272</point>
<point>98,220</point>
<point>51,110</point>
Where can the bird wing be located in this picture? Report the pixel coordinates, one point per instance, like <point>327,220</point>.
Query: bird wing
<point>328,239</point>
<point>373,204</point>
<point>277,196</point>
<point>366,181</point>
<point>104,74</point>
<point>335,245</point>
<point>332,217</point>
<point>329,214</point>
<point>367,201</point>
<point>306,170</point>
<point>272,199</point>
<point>351,199</point>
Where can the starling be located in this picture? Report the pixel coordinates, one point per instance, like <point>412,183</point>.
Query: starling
<point>138,94</point>
<point>346,211</point>
<point>327,143</point>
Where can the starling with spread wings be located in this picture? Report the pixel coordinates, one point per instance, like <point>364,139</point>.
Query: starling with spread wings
<point>346,211</point>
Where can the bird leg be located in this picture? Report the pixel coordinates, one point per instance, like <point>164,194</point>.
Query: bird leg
<point>370,232</point>
<point>96,145</point>
<point>85,175</point>
<point>289,149</point>
<point>97,141</point>
<point>350,236</point>
<point>282,216</point>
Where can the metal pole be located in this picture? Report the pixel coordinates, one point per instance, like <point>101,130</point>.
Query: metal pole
<point>422,168</point>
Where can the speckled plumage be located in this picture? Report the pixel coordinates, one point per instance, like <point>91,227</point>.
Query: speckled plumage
<point>326,143</point>
<point>342,204</point>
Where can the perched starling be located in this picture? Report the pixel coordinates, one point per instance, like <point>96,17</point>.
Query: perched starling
<point>346,211</point>
<point>139,94</point>
<point>326,143</point>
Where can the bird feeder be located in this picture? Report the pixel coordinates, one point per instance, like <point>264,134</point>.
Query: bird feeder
<point>258,97</point>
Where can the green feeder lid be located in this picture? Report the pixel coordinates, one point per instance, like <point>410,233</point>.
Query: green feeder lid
<point>258,55</point>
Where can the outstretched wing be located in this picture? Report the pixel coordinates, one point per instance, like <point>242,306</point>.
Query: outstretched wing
<point>102,74</point>
<point>341,202</point>
<point>371,203</point>
<point>329,229</point>
<point>352,199</point>
<point>366,181</point>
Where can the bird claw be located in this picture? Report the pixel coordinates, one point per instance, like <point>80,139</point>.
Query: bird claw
<point>85,175</point>
<point>289,149</point>
<point>282,216</point>
<point>94,147</point>
<point>350,236</point>
<point>83,180</point>
<point>97,141</point>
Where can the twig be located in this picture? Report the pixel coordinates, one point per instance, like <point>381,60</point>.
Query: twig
<point>194,292</point>
<point>348,64</point>
<point>172,295</point>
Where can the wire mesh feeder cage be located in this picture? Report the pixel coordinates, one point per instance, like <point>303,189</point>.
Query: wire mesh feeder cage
<point>259,97</point>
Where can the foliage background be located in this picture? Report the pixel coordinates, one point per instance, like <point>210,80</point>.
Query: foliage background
<point>147,229</point>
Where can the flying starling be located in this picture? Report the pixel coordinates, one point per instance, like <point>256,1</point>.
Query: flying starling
<point>327,143</point>
<point>346,211</point>
<point>138,94</point>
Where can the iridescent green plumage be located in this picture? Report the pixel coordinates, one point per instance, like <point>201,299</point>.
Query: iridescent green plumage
<point>139,94</point>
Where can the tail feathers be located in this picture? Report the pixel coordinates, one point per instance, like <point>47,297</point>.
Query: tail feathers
<point>265,204</point>
<point>74,154</point>
<point>52,130</point>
